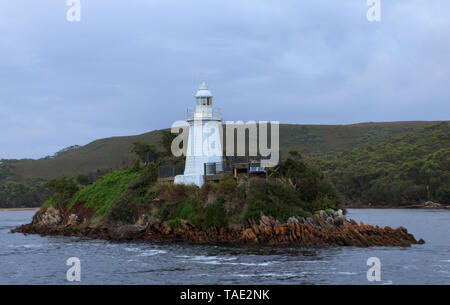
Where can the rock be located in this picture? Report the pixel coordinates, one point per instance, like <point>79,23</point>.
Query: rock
<point>127,232</point>
<point>338,213</point>
<point>143,220</point>
<point>323,214</point>
<point>431,204</point>
<point>50,217</point>
<point>319,229</point>
<point>73,220</point>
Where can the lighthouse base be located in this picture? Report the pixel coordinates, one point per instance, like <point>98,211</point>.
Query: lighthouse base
<point>190,179</point>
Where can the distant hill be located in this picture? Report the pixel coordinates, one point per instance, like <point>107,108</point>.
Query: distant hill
<point>405,169</point>
<point>19,177</point>
<point>115,152</point>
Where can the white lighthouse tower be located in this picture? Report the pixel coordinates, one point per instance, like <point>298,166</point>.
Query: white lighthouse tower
<point>204,143</point>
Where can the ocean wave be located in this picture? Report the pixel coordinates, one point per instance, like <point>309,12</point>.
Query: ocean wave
<point>222,262</point>
<point>132,249</point>
<point>209,258</point>
<point>266,275</point>
<point>152,252</point>
<point>27,246</point>
<point>346,273</point>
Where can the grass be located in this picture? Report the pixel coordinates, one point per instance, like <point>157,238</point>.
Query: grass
<point>101,194</point>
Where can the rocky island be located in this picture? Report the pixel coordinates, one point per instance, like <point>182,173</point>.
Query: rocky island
<point>297,206</point>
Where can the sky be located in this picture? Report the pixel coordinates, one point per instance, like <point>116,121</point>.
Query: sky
<point>132,66</point>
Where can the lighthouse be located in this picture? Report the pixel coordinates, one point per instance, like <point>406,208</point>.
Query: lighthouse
<point>204,146</point>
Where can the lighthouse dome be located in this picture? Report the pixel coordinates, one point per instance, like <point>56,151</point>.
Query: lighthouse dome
<point>203,90</point>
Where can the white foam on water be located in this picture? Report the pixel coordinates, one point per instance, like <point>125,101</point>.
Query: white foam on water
<point>209,259</point>
<point>203,258</point>
<point>222,262</point>
<point>443,271</point>
<point>32,246</point>
<point>266,275</point>
<point>152,252</point>
<point>252,264</point>
<point>309,272</point>
<point>346,273</point>
<point>278,274</point>
<point>132,249</point>
<point>28,246</point>
<point>212,262</point>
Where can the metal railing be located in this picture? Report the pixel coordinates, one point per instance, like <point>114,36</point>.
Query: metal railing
<point>167,171</point>
<point>210,112</point>
<point>214,168</point>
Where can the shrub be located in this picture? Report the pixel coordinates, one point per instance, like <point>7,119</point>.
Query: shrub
<point>174,223</point>
<point>63,190</point>
<point>215,215</point>
<point>191,212</point>
<point>228,183</point>
<point>100,195</point>
<point>83,179</point>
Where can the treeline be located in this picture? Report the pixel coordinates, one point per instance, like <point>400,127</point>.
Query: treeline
<point>411,168</point>
<point>15,194</point>
<point>32,193</point>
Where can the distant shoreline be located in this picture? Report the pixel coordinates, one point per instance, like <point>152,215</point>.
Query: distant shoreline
<point>407,207</point>
<point>19,209</point>
<point>378,207</point>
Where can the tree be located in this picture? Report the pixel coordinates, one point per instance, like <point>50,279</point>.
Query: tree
<point>166,141</point>
<point>83,179</point>
<point>142,150</point>
<point>64,188</point>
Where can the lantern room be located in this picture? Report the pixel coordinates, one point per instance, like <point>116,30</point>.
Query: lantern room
<point>203,97</point>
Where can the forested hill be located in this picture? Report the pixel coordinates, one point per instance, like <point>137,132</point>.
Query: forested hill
<point>20,180</point>
<point>394,171</point>
<point>115,152</point>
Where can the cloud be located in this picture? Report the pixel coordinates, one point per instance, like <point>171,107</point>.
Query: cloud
<point>132,66</point>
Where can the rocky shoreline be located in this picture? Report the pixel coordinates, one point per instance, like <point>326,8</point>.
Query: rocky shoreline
<point>318,230</point>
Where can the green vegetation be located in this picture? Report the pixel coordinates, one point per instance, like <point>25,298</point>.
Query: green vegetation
<point>140,188</point>
<point>395,170</point>
<point>22,181</point>
<point>300,190</point>
<point>144,150</point>
<point>125,195</point>
<point>14,194</point>
<point>83,179</point>
<point>63,190</point>
<point>101,194</point>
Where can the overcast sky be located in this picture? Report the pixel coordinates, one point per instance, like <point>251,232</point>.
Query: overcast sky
<point>132,66</point>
